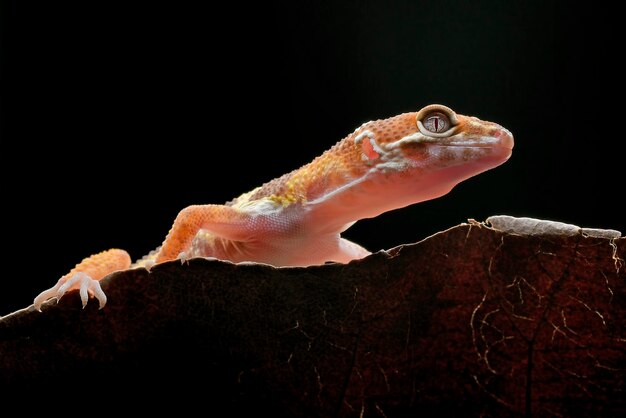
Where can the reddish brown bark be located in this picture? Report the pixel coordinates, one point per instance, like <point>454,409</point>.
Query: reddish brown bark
<point>471,321</point>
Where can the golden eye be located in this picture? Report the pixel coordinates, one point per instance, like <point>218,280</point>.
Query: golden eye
<point>436,122</point>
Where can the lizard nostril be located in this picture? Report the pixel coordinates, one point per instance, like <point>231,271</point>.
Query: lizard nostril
<point>505,137</point>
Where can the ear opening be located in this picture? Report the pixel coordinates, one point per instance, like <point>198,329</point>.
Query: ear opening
<point>368,149</point>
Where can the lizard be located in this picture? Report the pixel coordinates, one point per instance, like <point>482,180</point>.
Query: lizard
<point>297,219</point>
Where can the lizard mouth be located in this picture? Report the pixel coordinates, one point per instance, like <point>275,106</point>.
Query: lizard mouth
<point>500,139</point>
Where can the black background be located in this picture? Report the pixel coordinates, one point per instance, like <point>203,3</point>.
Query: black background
<point>117,115</point>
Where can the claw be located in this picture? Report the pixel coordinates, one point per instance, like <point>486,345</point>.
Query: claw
<point>47,294</point>
<point>99,294</point>
<point>83,292</point>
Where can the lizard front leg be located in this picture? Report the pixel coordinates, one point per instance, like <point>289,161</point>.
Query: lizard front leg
<point>86,276</point>
<point>224,221</point>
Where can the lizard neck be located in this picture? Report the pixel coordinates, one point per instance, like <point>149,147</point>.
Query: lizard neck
<point>371,195</point>
<point>386,187</point>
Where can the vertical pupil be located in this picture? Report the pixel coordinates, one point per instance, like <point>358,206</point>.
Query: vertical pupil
<point>436,122</point>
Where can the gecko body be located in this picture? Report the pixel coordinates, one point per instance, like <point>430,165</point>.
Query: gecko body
<point>297,219</point>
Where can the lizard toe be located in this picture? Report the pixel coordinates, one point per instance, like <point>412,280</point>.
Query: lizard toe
<point>46,294</point>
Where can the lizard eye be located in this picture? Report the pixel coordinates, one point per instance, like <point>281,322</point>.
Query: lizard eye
<point>436,122</point>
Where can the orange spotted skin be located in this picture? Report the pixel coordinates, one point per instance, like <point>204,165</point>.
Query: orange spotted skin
<point>331,169</point>
<point>297,219</point>
<point>102,264</point>
<point>309,182</point>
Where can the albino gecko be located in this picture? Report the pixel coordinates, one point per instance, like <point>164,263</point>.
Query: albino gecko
<point>297,219</point>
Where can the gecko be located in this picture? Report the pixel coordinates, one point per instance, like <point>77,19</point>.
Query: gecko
<point>297,219</point>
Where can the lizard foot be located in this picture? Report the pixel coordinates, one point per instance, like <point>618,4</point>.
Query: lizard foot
<point>87,287</point>
<point>183,257</point>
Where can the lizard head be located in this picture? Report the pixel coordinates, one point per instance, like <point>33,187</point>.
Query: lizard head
<point>425,154</point>
<point>434,139</point>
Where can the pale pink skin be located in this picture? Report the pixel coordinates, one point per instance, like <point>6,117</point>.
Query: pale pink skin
<point>297,219</point>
